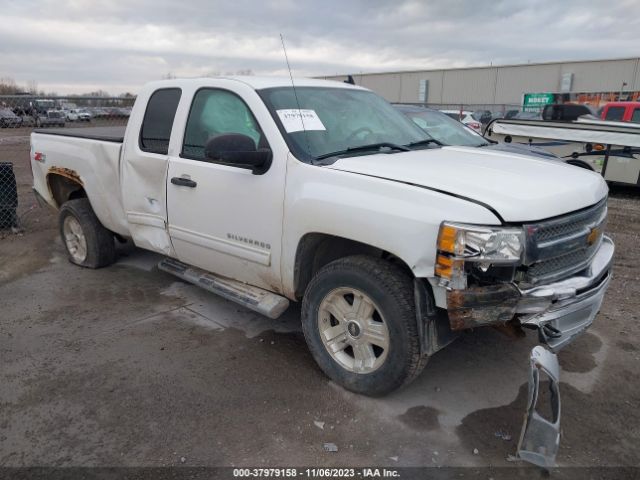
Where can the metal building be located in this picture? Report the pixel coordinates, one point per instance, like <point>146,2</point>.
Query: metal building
<point>504,84</point>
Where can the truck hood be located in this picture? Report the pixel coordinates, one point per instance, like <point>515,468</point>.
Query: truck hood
<point>520,188</point>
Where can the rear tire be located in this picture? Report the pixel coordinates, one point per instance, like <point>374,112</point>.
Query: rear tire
<point>359,320</point>
<point>88,243</point>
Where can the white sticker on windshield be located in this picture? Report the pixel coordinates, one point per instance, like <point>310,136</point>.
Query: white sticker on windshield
<point>294,120</point>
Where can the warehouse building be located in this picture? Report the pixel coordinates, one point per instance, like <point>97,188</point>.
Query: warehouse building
<point>593,81</point>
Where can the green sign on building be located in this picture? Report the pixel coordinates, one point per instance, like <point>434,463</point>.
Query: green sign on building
<point>534,102</point>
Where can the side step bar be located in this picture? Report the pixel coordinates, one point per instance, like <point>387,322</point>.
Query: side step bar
<point>254,298</point>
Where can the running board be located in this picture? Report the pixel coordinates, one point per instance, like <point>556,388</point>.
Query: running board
<point>254,298</point>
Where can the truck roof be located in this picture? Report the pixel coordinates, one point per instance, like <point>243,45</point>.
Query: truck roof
<point>256,82</point>
<point>622,104</point>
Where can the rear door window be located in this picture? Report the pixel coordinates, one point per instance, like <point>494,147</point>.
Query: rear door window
<point>158,120</point>
<point>615,114</point>
<point>635,118</point>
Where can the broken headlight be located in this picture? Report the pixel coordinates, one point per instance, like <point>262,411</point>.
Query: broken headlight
<point>460,245</point>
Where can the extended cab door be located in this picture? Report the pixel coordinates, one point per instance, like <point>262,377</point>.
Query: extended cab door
<point>144,168</point>
<point>223,218</point>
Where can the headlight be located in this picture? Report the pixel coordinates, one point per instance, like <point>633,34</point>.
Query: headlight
<point>459,244</point>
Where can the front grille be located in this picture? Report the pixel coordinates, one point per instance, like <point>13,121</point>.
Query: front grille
<point>565,245</point>
<point>569,262</point>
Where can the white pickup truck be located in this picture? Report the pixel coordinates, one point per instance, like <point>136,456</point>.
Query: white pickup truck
<point>323,193</point>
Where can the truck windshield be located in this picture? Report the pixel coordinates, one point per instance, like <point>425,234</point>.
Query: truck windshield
<point>323,121</point>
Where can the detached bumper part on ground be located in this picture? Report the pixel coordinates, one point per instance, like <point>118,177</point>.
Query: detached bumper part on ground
<point>540,438</point>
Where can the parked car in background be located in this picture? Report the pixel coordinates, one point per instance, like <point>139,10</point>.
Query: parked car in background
<point>80,115</point>
<point>447,131</point>
<point>51,118</point>
<point>71,115</point>
<point>566,112</point>
<point>483,116</point>
<point>98,112</point>
<point>465,117</point>
<point>621,112</point>
<point>9,119</point>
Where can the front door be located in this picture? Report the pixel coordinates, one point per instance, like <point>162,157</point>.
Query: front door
<point>225,219</point>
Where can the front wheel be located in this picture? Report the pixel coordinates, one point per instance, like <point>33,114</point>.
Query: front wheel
<point>88,242</point>
<point>358,317</point>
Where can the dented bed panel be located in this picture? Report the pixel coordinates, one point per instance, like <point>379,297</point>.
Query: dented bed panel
<point>92,164</point>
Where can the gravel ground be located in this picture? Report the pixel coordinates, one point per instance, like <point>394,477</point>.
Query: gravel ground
<point>128,366</point>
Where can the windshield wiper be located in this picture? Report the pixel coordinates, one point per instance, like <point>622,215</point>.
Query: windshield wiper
<point>426,141</point>
<point>364,148</point>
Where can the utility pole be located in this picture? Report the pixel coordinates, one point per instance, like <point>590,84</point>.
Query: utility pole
<point>624,84</point>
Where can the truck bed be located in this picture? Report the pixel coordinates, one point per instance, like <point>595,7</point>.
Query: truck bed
<point>105,134</point>
<point>91,157</point>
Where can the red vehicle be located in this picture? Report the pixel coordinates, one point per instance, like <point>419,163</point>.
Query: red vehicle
<point>621,112</point>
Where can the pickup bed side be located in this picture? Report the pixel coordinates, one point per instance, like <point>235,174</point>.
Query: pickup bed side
<point>70,166</point>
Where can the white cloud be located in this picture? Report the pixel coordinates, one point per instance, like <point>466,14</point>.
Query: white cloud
<point>78,46</point>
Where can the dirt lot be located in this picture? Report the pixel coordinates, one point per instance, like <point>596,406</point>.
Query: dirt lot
<point>128,366</point>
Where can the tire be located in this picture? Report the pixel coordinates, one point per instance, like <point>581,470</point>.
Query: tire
<point>389,291</point>
<point>88,243</point>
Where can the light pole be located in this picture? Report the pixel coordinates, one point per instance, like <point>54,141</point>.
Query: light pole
<point>624,84</point>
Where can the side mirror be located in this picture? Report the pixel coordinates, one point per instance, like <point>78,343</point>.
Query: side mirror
<point>237,150</point>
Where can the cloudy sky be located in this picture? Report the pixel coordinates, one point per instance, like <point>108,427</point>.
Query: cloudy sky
<point>83,45</point>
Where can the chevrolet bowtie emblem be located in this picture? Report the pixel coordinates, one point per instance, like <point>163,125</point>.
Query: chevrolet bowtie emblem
<point>593,236</point>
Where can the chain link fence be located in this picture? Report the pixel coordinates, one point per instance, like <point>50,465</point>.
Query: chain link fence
<point>19,116</point>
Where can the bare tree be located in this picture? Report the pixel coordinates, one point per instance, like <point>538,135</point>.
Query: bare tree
<point>8,86</point>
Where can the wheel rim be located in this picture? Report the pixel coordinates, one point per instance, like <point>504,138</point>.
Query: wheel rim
<point>353,330</point>
<point>74,238</point>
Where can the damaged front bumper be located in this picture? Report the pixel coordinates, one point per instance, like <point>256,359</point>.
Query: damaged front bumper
<point>560,311</point>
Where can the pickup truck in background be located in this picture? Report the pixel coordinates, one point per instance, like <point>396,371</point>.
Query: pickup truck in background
<point>324,194</point>
<point>50,118</point>
<point>621,112</point>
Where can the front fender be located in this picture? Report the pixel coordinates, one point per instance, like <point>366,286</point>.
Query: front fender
<point>392,216</point>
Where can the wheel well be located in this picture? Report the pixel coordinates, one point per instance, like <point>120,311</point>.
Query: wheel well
<point>316,250</point>
<point>580,163</point>
<point>64,187</point>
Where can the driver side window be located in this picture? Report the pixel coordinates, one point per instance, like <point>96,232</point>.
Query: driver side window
<point>214,112</point>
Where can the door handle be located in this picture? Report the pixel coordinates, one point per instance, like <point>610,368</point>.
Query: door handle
<point>183,182</point>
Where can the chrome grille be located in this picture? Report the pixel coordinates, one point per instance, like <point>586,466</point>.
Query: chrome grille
<point>565,245</point>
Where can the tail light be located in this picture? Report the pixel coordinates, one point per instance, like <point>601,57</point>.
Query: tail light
<point>474,125</point>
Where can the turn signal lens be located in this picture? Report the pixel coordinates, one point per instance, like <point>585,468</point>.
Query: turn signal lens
<point>444,266</point>
<point>447,239</point>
